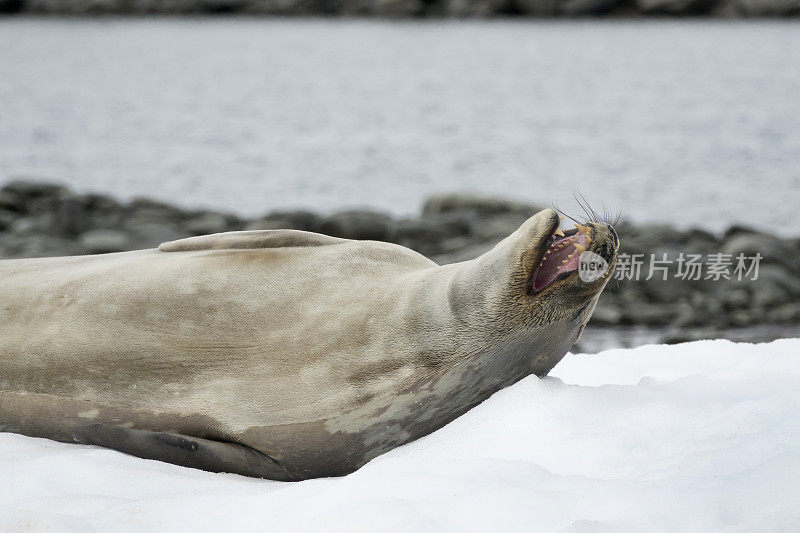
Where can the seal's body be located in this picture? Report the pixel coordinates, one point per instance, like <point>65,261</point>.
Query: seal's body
<point>278,354</point>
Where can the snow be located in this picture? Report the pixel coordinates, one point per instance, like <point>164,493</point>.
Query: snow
<point>694,437</point>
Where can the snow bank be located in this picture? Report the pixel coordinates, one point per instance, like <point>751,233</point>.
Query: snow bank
<point>695,437</point>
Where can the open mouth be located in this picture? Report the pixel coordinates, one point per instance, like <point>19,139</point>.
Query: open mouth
<point>562,256</point>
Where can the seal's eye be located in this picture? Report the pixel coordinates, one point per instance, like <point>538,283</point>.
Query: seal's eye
<point>580,311</point>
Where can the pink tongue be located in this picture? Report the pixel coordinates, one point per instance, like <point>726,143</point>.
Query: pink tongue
<point>553,264</point>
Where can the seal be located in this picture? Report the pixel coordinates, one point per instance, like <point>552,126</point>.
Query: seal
<point>284,354</point>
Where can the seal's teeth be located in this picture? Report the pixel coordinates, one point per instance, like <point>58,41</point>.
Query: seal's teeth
<point>580,248</point>
<point>565,260</point>
<point>560,232</point>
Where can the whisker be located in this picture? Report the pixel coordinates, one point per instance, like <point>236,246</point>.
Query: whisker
<point>580,204</point>
<point>564,213</point>
<point>591,214</point>
<point>609,216</point>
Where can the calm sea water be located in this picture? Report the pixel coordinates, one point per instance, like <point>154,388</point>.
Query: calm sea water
<point>696,123</point>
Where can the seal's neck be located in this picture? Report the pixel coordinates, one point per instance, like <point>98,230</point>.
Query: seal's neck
<point>458,298</point>
<point>471,302</point>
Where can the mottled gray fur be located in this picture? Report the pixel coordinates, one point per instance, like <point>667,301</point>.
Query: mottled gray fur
<point>314,352</point>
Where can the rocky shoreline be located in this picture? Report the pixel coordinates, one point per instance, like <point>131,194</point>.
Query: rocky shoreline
<point>42,219</point>
<point>413,8</point>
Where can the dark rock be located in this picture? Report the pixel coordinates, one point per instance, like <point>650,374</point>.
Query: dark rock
<point>20,245</point>
<point>606,314</point>
<point>671,289</point>
<point>763,8</point>
<point>275,7</point>
<point>581,8</point>
<point>689,315</point>
<point>11,201</point>
<point>101,241</point>
<point>675,7</point>
<point>302,220</point>
<point>70,217</point>
<point>498,227</point>
<point>32,189</point>
<point>150,210</point>
<point>357,224</point>
<point>460,252</point>
<point>396,8</point>
<point>166,6</point>
<point>33,224</point>
<point>7,219</point>
<point>218,7</point>
<point>151,234</point>
<point>772,249</point>
<point>475,204</point>
<point>774,286</point>
<point>11,6</point>
<point>77,7</point>
<point>733,299</point>
<point>686,336</point>
<point>648,314</point>
<point>737,229</point>
<point>424,236</point>
<point>382,8</point>
<point>411,8</point>
<point>473,8</point>
<point>62,216</point>
<point>539,8</point>
<point>742,318</point>
<point>652,238</point>
<point>149,223</point>
<point>789,312</point>
<point>433,235</point>
<point>698,241</point>
<point>207,223</point>
<point>100,212</point>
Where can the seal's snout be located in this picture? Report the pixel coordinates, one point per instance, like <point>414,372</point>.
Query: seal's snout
<point>607,250</point>
<point>606,242</point>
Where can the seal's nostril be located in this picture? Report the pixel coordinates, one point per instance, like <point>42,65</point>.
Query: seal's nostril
<point>606,251</point>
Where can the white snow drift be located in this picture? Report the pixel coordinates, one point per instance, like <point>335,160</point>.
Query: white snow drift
<point>695,437</point>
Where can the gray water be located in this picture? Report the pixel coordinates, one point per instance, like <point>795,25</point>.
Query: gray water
<point>696,123</point>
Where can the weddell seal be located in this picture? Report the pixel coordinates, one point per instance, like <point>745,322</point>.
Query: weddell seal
<point>283,354</point>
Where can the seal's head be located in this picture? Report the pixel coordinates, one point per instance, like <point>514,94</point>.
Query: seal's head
<point>542,274</point>
<point>571,266</point>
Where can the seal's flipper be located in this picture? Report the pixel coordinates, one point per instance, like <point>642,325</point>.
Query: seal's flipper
<point>182,450</point>
<point>242,240</point>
